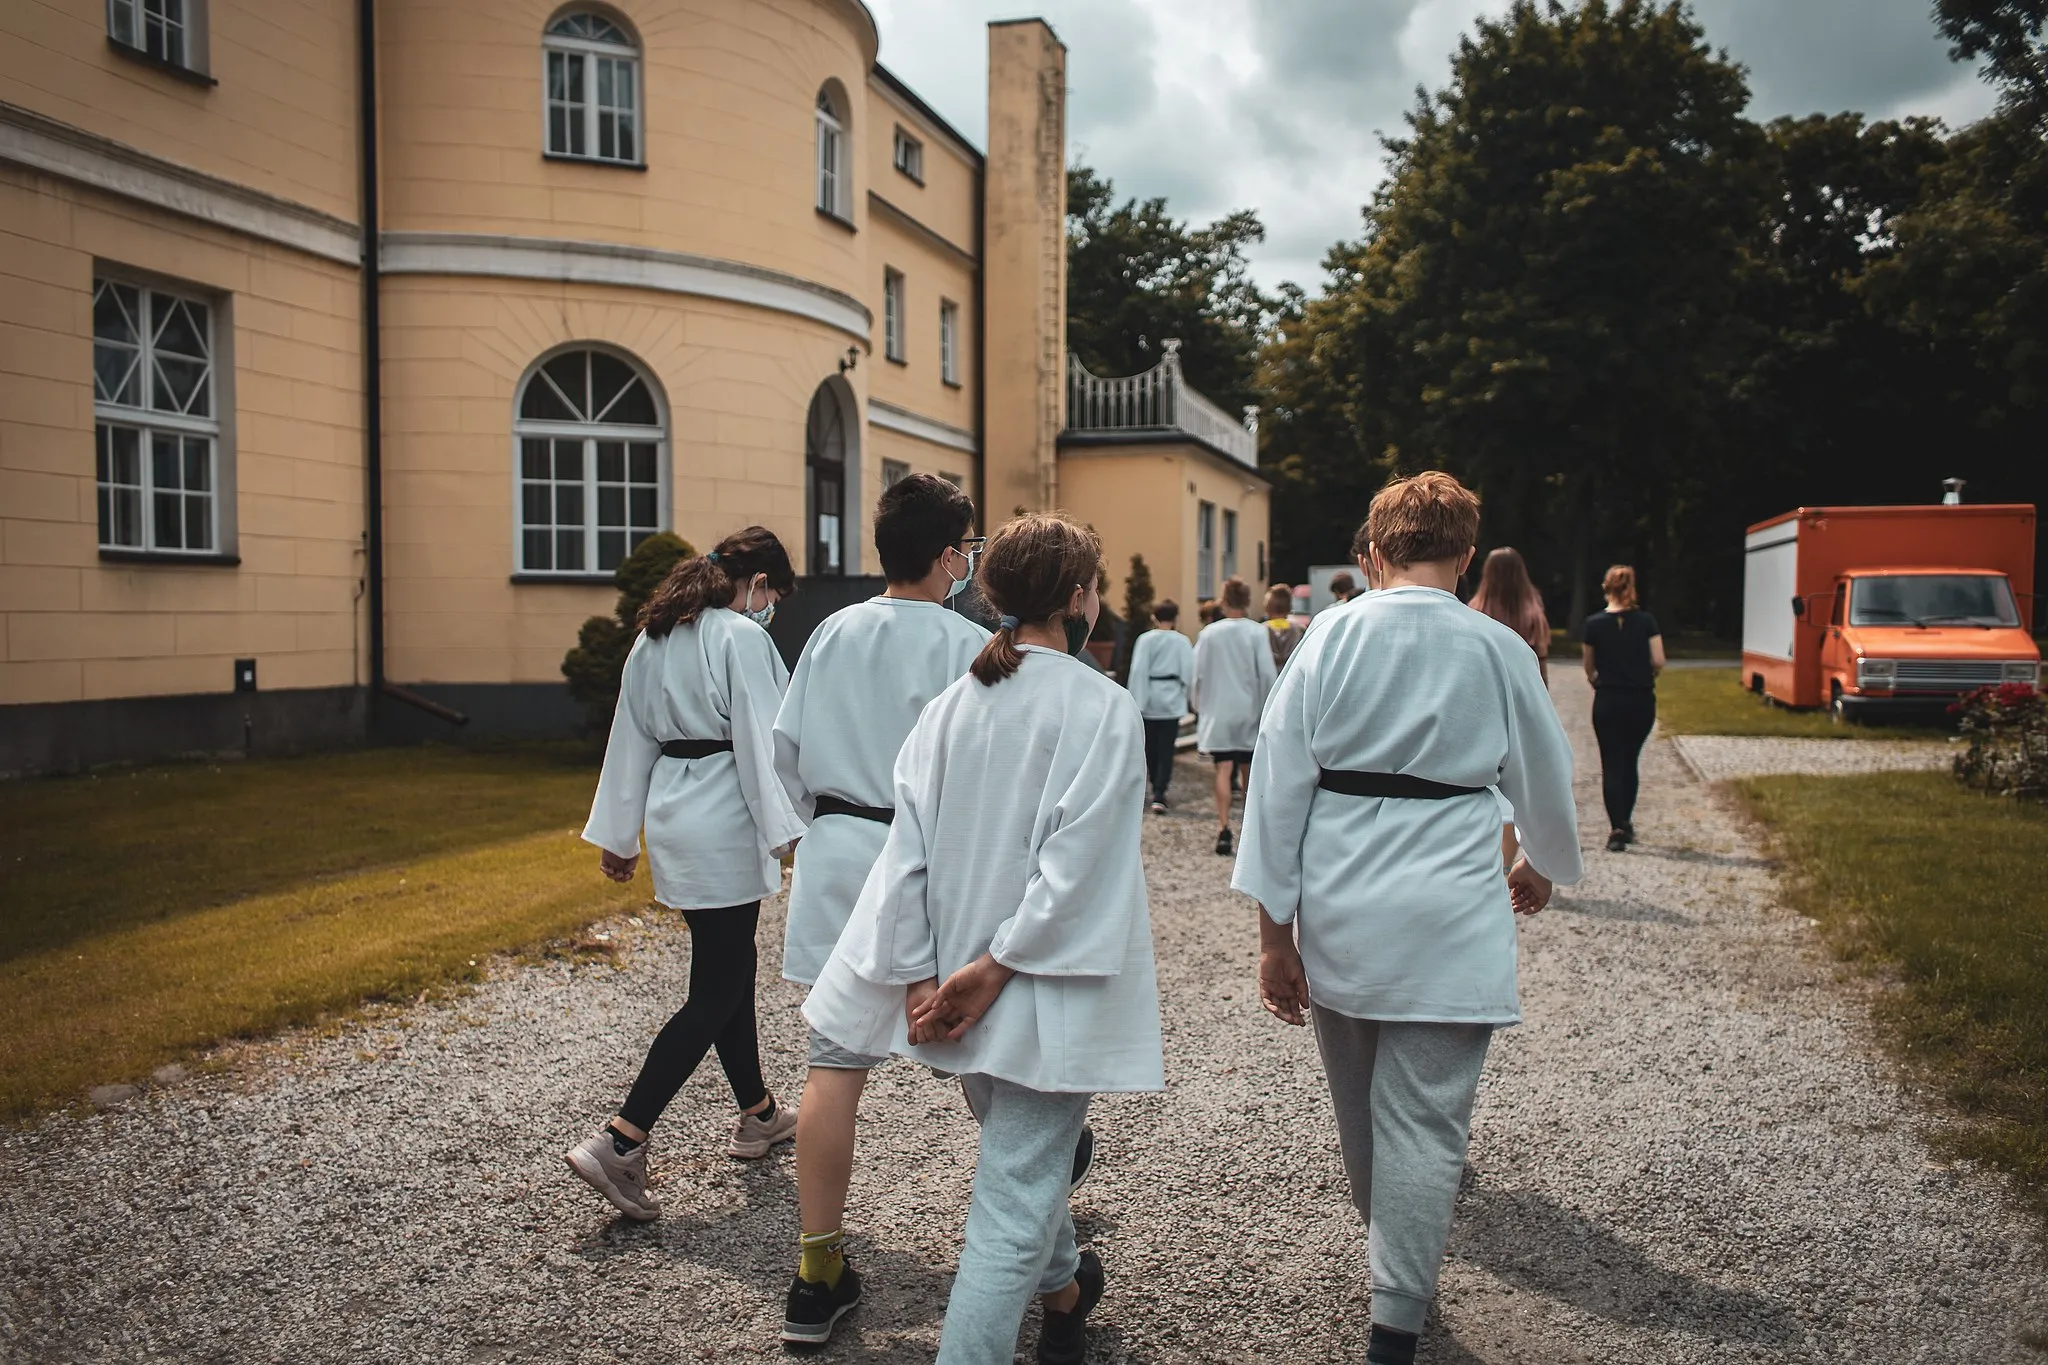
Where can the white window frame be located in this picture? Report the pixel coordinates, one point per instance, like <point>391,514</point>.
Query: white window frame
<point>129,25</point>
<point>589,434</point>
<point>892,315</point>
<point>1229,544</point>
<point>587,56</point>
<point>834,167</point>
<point>1205,549</point>
<point>894,472</point>
<point>908,154</point>
<point>151,422</point>
<point>949,342</point>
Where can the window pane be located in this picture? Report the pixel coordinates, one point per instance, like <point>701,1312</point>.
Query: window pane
<point>569,460</point>
<point>634,406</point>
<point>540,403</point>
<point>114,308</point>
<point>611,461</point>
<point>121,23</point>
<point>607,135</point>
<point>170,522</point>
<point>611,506</point>
<point>569,549</point>
<point>534,499</point>
<point>604,82</point>
<point>198,464</point>
<point>535,550</point>
<point>568,504</point>
<point>629,147</point>
<point>611,548</point>
<point>644,464</point>
<point>558,75</point>
<point>163,460</point>
<point>125,452</point>
<point>574,66</point>
<point>117,374</point>
<point>181,387</point>
<point>610,378</point>
<point>199,523</point>
<point>533,458</point>
<point>644,508</point>
<point>570,374</point>
<point>127,510</point>
<point>179,326</point>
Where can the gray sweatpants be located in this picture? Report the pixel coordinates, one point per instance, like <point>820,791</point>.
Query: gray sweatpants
<point>1403,1094</point>
<point>1020,1231</point>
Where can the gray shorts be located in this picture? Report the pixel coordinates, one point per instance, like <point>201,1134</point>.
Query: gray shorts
<point>829,1055</point>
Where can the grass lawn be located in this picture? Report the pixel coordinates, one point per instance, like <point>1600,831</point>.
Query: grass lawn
<point>1712,701</point>
<point>1909,872</point>
<point>149,913</point>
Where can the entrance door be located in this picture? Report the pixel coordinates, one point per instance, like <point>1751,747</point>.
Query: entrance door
<point>825,466</point>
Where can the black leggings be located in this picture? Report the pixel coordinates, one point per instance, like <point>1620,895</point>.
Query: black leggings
<point>1159,741</point>
<point>718,1013</point>
<point>1622,717</point>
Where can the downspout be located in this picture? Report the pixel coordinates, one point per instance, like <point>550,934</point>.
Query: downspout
<point>373,358</point>
<point>981,352</point>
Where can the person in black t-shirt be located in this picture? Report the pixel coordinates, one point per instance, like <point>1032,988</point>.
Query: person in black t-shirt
<point>1624,653</point>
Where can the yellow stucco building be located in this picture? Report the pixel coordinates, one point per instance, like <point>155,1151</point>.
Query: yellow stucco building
<point>345,348</point>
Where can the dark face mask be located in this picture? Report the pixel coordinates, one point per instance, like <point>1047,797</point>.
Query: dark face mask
<point>1077,633</point>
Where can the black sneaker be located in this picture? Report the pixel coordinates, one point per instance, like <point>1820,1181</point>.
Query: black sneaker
<point>1628,834</point>
<point>1084,1158</point>
<point>1223,841</point>
<point>1617,842</point>
<point>815,1309</point>
<point>1062,1337</point>
<point>1158,806</point>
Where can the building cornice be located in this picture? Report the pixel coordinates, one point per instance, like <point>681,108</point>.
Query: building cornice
<point>896,214</point>
<point>1106,443</point>
<point>889,417</point>
<point>629,267</point>
<point>58,149</point>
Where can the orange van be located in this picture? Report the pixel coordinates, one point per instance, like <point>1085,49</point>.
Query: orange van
<point>1879,610</point>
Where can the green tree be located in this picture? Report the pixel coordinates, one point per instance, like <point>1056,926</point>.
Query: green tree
<point>1138,600</point>
<point>1136,276</point>
<point>596,664</point>
<point>2007,34</point>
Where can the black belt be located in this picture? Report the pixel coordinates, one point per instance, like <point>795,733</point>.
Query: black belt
<point>833,805</point>
<point>1390,784</point>
<point>695,748</point>
<point>1165,677</point>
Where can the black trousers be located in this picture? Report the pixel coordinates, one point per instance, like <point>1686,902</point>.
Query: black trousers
<point>1159,739</point>
<point>718,1013</point>
<point>1622,717</point>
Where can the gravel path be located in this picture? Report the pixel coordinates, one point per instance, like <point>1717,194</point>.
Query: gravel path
<point>1689,1153</point>
<point>1717,757</point>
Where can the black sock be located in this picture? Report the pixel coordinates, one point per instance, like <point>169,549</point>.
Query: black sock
<point>765,1114</point>
<point>621,1144</point>
<point>1387,1347</point>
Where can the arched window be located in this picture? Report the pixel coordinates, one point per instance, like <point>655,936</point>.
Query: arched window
<point>593,89</point>
<point>592,463</point>
<point>825,462</point>
<point>835,171</point>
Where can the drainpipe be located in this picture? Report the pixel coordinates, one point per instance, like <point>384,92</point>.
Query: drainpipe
<point>373,400</point>
<point>981,352</point>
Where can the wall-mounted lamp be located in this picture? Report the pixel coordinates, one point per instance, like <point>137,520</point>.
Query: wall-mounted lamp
<point>852,359</point>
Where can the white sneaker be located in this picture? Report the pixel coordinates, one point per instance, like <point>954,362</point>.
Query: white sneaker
<point>621,1179</point>
<point>752,1137</point>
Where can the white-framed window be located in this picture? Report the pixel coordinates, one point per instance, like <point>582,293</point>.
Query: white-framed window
<point>591,463</point>
<point>592,75</point>
<point>835,173</point>
<point>1229,543</point>
<point>949,341</point>
<point>1205,549</point>
<point>892,314</point>
<point>909,156</point>
<point>172,31</point>
<point>894,472</point>
<point>156,425</point>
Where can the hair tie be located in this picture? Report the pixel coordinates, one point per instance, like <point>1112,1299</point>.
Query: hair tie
<point>711,558</point>
<point>1008,623</point>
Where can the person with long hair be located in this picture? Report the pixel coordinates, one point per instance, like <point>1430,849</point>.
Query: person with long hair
<point>1623,652</point>
<point>1162,666</point>
<point>1507,594</point>
<point>1371,843</point>
<point>692,760</point>
<point>1285,634</point>
<point>1233,673</point>
<point>1004,935</point>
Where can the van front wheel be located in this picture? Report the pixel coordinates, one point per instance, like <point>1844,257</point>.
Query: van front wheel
<point>1838,709</point>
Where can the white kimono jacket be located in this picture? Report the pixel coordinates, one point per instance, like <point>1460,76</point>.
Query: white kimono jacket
<point>863,678</point>
<point>1162,669</point>
<point>1233,673</point>
<point>712,823</point>
<point>1401,909</point>
<point>1018,810</point>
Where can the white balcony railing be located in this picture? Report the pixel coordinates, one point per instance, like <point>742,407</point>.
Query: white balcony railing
<point>1159,400</point>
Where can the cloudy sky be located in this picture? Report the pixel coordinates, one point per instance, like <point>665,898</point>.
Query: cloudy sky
<point>1273,104</point>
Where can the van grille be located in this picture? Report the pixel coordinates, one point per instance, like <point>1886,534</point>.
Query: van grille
<point>1947,675</point>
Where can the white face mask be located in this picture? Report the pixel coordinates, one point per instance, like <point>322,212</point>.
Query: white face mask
<point>959,585</point>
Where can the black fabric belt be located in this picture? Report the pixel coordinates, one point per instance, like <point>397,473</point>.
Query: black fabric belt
<point>833,805</point>
<point>1165,677</point>
<point>695,748</point>
<point>1400,785</point>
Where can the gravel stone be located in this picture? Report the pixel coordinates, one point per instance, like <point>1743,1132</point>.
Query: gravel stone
<point>1718,757</point>
<point>1690,1152</point>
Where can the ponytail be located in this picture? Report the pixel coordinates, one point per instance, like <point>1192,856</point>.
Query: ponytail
<point>1028,573</point>
<point>1619,583</point>
<point>1000,657</point>
<point>711,581</point>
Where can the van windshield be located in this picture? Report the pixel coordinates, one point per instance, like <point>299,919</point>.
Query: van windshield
<point>1931,600</point>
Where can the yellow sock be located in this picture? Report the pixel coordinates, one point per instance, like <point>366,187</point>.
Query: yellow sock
<point>821,1259</point>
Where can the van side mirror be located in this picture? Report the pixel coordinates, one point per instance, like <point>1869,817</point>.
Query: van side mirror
<point>1799,606</point>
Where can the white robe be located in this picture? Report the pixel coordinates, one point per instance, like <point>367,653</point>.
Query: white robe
<point>864,676</point>
<point>1401,907</point>
<point>1162,670</point>
<point>712,823</point>
<point>1018,810</point>
<point>1233,673</point>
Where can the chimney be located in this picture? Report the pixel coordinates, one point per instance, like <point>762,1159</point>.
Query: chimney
<point>1024,268</point>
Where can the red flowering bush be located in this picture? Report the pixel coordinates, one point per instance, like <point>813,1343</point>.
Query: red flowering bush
<point>2006,731</point>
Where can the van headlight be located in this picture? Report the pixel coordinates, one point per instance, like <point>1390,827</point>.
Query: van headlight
<point>2019,671</point>
<point>1876,672</point>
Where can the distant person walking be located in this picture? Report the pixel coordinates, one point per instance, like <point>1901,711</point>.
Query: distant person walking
<point>1162,668</point>
<point>1233,673</point>
<point>1509,597</point>
<point>692,758</point>
<point>1343,587</point>
<point>1623,653</point>
<point>1285,634</point>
